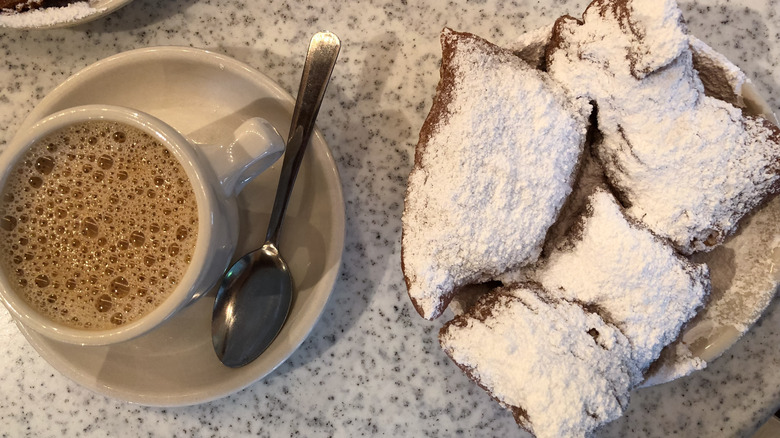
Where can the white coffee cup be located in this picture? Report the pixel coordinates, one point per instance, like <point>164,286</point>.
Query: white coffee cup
<point>217,173</point>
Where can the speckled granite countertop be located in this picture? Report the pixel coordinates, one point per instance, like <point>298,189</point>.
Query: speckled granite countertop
<point>371,366</point>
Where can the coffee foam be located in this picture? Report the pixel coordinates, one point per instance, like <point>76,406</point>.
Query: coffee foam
<point>98,223</point>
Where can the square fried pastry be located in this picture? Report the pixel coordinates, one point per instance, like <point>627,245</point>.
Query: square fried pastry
<point>560,369</point>
<point>634,279</point>
<point>687,165</point>
<point>495,161</point>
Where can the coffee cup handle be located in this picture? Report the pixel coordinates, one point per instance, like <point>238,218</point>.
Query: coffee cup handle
<point>256,146</point>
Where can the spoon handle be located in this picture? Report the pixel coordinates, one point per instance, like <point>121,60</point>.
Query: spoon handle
<point>320,59</point>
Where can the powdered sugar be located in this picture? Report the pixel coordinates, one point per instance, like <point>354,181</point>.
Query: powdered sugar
<point>492,174</point>
<point>688,165</point>
<point>46,17</point>
<point>657,34</point>
<point>721,78</point>
<point>676,360</point>
<point>530,46</point>
<point>563,370</point>
<point>644,287</point>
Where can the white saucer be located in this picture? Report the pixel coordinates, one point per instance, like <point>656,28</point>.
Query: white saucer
<point>50,18</point>
<point>206,96</point>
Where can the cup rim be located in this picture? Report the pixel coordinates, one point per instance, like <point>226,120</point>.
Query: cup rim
<point>181,148</point>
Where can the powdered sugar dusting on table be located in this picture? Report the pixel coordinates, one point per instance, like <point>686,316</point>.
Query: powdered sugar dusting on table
<point>45,17</point>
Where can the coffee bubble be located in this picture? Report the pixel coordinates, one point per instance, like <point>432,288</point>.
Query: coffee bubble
<point>137,238</point>
<point>44,165</point>
<point>104,303</point>
<point>181,233</point>
<point>89,227</point>
<point>35,181</point>
<point>105,162</point>
<point>117,319</point>
<point>42,280</point>
<point>120,287</point>
<point>8,223</point>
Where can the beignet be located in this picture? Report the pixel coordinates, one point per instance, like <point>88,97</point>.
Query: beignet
<point>495,161</point>
<point>687,165</point>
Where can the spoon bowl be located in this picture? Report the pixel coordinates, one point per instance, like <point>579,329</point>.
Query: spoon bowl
<point>261,281</point>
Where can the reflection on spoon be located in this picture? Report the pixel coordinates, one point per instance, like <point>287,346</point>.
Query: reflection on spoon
<point>256,293</point>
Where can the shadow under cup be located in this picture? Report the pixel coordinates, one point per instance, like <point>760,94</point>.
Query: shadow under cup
<point>209,249</point>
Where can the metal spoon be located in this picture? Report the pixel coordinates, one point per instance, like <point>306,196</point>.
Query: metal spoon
<point>255,296</point>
